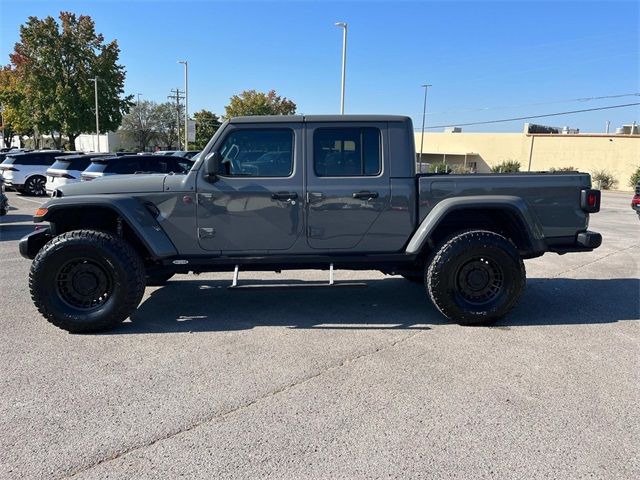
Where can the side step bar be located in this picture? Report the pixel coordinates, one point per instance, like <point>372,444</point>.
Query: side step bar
<point>234,283</point>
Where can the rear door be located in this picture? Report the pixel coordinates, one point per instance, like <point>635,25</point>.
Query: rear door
<point>347,182</point>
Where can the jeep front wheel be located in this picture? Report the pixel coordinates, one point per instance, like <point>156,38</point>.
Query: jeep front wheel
<point>476,277</point>
<point>86,281</point>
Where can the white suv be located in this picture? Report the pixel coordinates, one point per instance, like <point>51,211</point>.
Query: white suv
<point>67,169</point>
<point>26,172</point>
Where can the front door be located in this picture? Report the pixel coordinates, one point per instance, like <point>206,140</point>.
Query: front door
<point>255,204</point>
<point>347,183</point>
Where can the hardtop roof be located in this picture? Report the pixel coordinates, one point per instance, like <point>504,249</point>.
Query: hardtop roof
<point>318,118</point>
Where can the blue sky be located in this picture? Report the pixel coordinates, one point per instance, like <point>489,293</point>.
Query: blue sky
<point>478,55</point>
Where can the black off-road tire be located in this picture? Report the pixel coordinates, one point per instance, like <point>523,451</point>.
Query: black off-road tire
<point>35,186</point>
<point>87,281</point>
<point>475,277</point>
<point>157,279</point>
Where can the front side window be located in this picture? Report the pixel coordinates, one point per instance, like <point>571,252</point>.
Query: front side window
<point>258,153</point>
<point>346,152</point>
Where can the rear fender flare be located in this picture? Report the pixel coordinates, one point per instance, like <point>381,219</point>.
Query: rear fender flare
<point>512,204</point>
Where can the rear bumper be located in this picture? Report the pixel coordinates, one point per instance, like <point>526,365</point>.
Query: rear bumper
<point>31,244</point>
<point>583,242</point>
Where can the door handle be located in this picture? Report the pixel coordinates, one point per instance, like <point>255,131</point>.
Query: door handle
<point>365,195</point>
<point>284,196</point>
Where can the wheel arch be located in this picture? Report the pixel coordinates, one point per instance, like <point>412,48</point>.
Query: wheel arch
<point>507,215</point>
<point>125,216</point>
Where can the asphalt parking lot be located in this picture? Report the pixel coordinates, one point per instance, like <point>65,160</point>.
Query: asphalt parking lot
<point>369,382</point>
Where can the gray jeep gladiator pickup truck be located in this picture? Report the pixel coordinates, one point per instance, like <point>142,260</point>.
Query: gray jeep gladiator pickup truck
<point>315,192</point>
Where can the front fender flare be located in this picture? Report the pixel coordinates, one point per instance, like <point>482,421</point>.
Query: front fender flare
<point>515,205</point>
<point>130,209</point>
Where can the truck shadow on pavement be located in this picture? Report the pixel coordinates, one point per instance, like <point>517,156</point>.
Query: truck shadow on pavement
<point>10,231</point>
<point>207,306</point>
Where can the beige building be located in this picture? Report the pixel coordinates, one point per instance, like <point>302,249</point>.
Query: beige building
<point>616,153</point>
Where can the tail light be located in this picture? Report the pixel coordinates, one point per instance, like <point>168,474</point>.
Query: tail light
<point>635,200</point>
<point>590,200</point>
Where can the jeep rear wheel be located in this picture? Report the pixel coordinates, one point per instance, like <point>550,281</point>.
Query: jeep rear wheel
<point>476,277</point>
<point>36,186</point>
<point>86,281</point>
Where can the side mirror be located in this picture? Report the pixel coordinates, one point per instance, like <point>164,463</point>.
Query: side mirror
<point>212,164</point>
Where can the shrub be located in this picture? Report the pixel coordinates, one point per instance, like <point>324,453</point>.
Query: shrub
<point>635,178</point>
<point>604,179</point>
<point>563,169</point>
<point>439,168</point>
<point>459,169</point>
<point>508,166</point>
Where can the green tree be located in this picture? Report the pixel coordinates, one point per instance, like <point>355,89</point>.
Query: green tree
<point>207,123</point>
<point>139,126</point>
<point>56,62</point>
<point>167,126</point>
<point>251,102</point>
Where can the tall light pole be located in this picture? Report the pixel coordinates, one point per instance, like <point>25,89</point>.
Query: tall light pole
<point>343,25</point>
<point>138,104</point>
<point>95,82</point>
<point>186,103</point>
<point>424,114</point>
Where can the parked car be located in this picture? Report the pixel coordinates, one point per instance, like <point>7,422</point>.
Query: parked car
<point>635,201</point>
<point>186,153</point>
<point>291,192</point>
<point>27,171</point>
<point>165,152</point>
<point>4,201</point>
<point>68,168</point>
<point>133,164</point>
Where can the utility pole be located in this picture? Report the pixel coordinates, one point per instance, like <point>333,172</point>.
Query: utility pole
<point>95,82</point>
<point>424,115</point>
<point>186,103</point>
<point>177,96</point>
<point>344,27</point>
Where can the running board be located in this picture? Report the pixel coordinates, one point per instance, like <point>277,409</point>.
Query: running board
<point>234,283</point>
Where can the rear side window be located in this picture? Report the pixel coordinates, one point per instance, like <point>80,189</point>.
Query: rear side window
<point>76,164</point>
<point>96,167</point>
<point>347,152</point>
<point>258,153</point>
<point>125,165</point>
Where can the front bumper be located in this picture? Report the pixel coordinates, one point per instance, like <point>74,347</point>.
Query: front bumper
<point>31,244</point>
<point>4,203</point>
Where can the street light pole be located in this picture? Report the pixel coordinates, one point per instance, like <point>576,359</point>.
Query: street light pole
<point>186,103</point>
<point>424,114</point>
<point>138,104</point>
<point>344,27</point>
<point>95,82</point>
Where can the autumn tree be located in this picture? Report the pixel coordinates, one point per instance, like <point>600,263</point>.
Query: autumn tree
<point>16,118</point>
<point>251,102</point>
<point>56,63</point>
<point>167,128</point>
<point>207,123</point>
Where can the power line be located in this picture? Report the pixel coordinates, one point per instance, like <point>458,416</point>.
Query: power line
<point>529,117</point>
<point>537,104</point>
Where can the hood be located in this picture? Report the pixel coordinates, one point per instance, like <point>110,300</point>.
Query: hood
<point>116,184</point>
